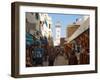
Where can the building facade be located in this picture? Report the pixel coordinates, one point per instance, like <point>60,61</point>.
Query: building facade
<point>79,41</point>
<point>39,23</point>
<point>71,29</point>
<point>38,33</point>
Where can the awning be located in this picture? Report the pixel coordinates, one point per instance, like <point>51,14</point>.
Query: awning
<point>29,39</point>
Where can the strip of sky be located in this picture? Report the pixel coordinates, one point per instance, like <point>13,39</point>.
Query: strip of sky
<point>65,20</point>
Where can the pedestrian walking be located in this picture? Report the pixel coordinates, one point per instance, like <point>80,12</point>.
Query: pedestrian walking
<point>51,57</point>
<point>84,57</point>
<point>60,59</point>
<point>73,59</point>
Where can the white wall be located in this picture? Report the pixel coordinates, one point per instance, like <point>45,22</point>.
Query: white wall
<point>5,40</point>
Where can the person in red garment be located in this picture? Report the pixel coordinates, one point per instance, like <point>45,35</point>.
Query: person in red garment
<point>84,56</point>
<point>73,59</point>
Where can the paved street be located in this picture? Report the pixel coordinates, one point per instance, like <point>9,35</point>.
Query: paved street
<point>59,60</point>
<point>45,63</point>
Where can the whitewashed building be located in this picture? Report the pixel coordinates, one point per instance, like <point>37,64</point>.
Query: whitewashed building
<point>40,22</point>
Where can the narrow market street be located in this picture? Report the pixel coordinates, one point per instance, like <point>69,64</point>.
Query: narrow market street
<point>54,42</point>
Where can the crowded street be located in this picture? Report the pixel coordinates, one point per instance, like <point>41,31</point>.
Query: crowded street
<point>48,45</point>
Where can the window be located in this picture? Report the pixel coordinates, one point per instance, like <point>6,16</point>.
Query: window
<point>37,16</point>
<point>49,26</point>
